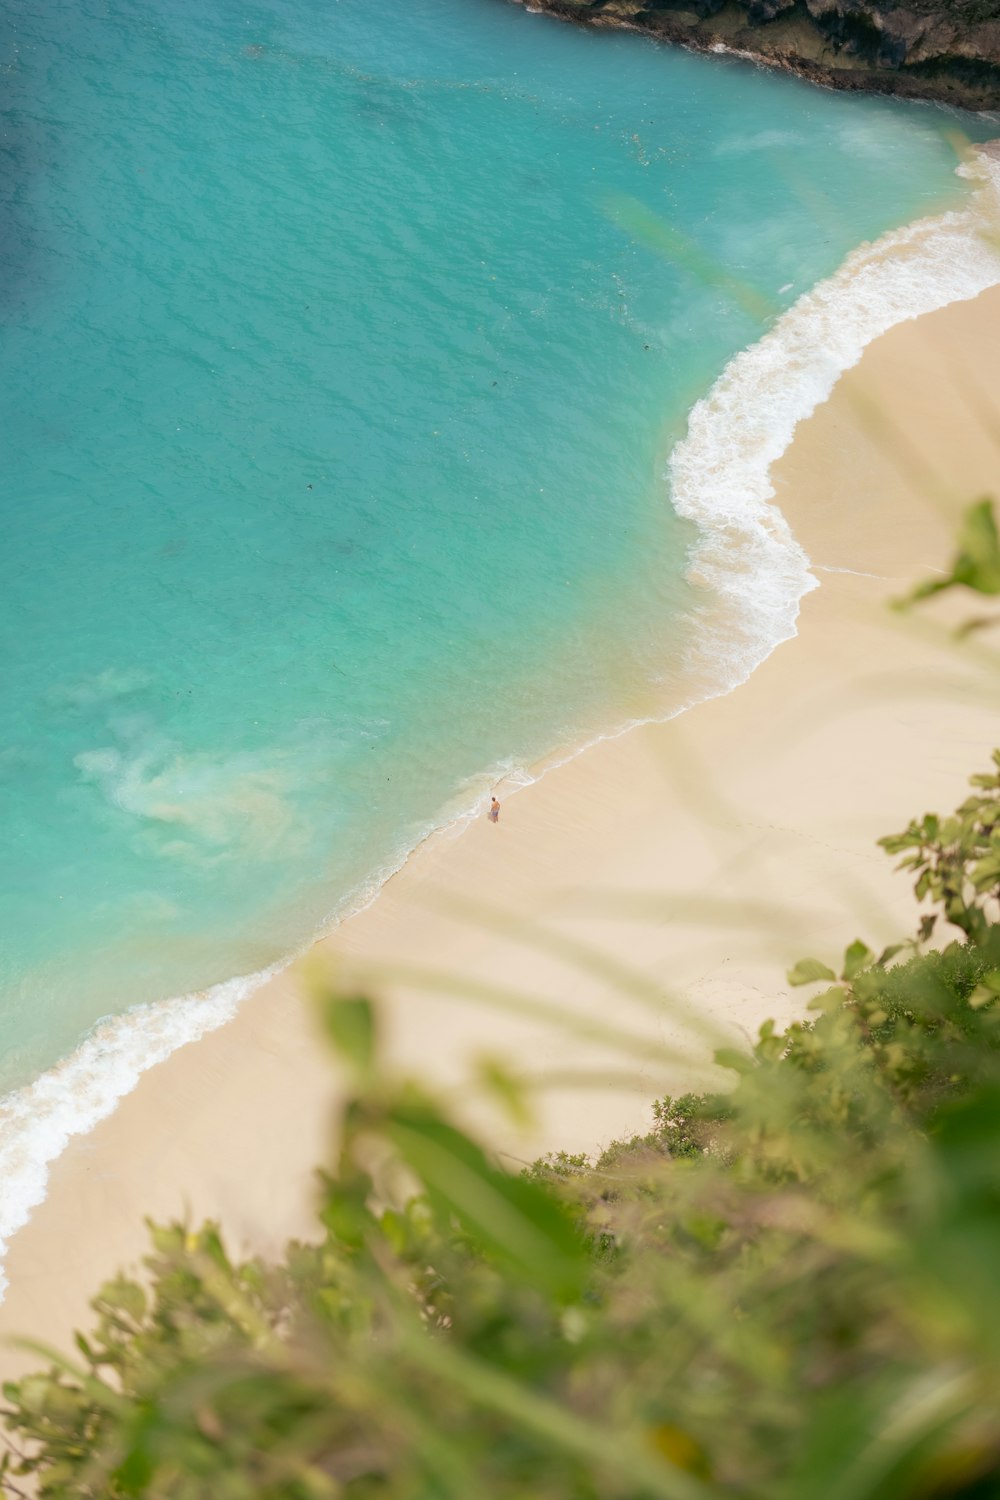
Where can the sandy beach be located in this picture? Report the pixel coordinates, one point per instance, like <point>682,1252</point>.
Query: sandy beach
<point>661,883</point>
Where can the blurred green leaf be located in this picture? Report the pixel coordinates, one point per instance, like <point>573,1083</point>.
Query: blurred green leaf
<point>734,1060</point>
<point>350,1023</point>
<point>807,970</point>
<point>512,1218</point>
<point>830,1000</point>
<point>652,230</point>
<point>497,1080</point>
<point>976,565</point>
<point>857,956</point>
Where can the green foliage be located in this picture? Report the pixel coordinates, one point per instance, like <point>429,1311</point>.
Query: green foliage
<point>809,969</point>
<point>558,1165</point>
<point>957,859</point>
<point>785,1292</point>
<point>351,1026</point>
<point>976,565</point>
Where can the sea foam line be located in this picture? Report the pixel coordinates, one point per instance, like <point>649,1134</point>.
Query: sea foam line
<point>37,1121</point>
<point>746,555</point>
<point>720,472</point>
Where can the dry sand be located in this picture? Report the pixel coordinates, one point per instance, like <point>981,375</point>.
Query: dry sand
<point>707,854</point>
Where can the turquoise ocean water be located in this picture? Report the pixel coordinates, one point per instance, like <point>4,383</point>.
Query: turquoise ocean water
<point>344,347</point>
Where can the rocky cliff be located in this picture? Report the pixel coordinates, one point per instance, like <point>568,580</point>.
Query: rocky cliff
<point>932,49</point>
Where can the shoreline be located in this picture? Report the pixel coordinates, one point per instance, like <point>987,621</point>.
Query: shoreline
<point>775,43</point>
<point>778,380</point>
<point>354,937</point>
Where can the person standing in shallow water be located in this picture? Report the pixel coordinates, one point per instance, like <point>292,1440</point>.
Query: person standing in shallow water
<point>494,811</point>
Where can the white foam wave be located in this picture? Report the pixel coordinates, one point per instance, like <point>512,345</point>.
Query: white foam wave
<point>37,1122</point>
<point>746,556</point>
<point>720,471</point>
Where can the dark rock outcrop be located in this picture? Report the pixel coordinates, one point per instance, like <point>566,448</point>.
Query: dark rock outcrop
<point>931,49</point>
